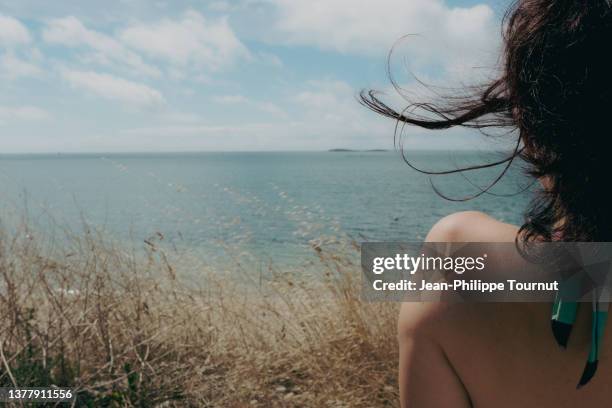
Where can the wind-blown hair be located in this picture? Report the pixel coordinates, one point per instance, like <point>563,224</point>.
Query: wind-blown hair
<point>555,88</point>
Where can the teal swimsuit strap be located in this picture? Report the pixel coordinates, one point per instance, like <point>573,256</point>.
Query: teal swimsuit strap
<point>563,318</point>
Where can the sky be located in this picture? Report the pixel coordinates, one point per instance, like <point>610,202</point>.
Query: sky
<point>235,75</point>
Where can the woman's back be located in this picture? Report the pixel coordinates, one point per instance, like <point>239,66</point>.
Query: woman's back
<point>494,354</point>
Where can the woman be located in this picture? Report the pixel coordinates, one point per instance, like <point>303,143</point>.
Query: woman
<point>556,90</point>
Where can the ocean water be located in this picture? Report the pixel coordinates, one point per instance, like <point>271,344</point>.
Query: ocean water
<point>271,204</point>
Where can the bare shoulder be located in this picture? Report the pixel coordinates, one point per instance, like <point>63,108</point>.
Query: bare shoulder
<point>440,342</point>
<point>471,226</point>
<point>435,319</point>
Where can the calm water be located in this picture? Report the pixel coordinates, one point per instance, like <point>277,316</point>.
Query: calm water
<point>271,204</point>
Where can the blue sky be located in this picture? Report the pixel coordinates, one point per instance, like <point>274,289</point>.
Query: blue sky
<point>135,75</point>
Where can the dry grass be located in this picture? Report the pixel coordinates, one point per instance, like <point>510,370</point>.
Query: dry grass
<point>125,329</point>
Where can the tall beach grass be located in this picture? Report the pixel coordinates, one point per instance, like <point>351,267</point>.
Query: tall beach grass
<point>138,326</point>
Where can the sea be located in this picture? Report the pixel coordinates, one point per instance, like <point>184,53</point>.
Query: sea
<point>274,205</point>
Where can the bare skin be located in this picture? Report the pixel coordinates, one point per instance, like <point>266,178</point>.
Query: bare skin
<point>493,355</point>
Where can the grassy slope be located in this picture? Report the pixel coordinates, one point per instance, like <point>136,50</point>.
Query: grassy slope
<point>124,329</point>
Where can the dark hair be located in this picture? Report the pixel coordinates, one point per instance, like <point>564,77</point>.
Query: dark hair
<point>555,88</point>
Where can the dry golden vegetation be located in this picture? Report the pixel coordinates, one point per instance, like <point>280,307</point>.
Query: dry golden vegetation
<point>126,327</point>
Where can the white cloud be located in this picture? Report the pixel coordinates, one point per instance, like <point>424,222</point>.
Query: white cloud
<point>114,88</point>
<point>271,108</point>
<point>230,99</point>
<point>168,131</point>
<point>70,32</point>
<point>12,32</point>
<point>180,117</point>
<point>13,37</point>
<point>22,113</point>
<point>332,103</point>
<point>190,40</point>
<point>270,59</point>
<point>13,67</point>
<point>326,93</point>
<point>222,6</point>
<point>331,117</point>
<point>323,114</point>
<point>263,106</point>
<point>449,35</point>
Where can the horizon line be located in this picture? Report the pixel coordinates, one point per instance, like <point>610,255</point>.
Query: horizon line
<point>330,150</point>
